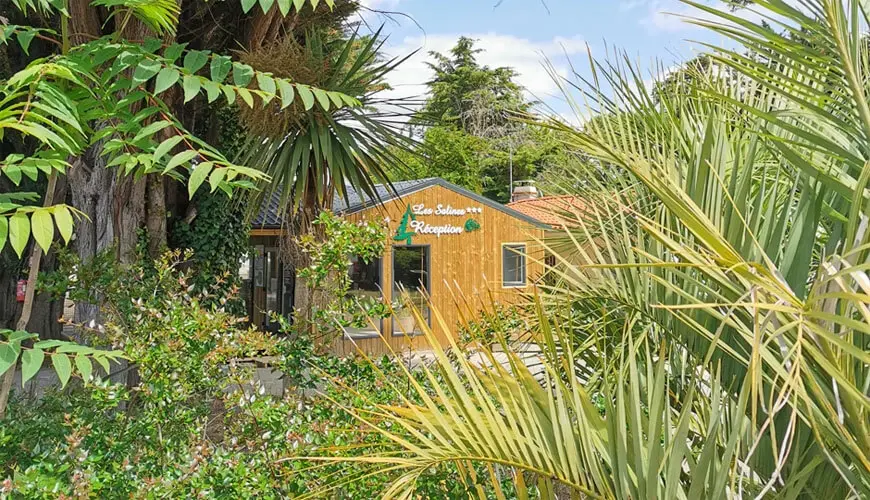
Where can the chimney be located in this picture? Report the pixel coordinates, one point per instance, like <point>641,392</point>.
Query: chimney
<point>524,190</point>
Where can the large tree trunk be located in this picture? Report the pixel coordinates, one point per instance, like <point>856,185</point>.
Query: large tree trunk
<point>129,214</point>
<point>155,222</point>
<point>92,189</point>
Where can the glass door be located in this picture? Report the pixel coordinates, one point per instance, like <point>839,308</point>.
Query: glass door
<point>410,285</point>
<point>273,283</point>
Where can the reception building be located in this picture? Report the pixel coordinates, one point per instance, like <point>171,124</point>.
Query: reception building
<point>445,243</point>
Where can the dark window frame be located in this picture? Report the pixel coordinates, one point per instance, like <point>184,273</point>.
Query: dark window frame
<point>428,291</point>
<point>363,335</point>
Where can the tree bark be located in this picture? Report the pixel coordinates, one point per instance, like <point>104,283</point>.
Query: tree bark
<point>155,223</point>
<point>92,188</point>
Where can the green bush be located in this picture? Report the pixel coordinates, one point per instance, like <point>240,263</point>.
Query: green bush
<point>195,422</point>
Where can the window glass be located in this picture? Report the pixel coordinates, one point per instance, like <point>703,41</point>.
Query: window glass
<point>247,290</point>
<point>365,288</point>
<point>410,285</point>
<point>513,265</point>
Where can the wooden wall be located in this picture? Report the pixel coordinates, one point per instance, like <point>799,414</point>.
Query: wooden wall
<point>465,267</point>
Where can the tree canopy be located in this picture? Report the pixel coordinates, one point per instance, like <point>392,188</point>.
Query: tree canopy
<point>473,126</point>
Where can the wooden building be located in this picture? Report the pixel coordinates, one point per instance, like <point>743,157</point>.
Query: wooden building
<point>445,242</point>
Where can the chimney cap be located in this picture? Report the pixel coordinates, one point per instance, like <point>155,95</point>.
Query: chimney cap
<point>525,190</point>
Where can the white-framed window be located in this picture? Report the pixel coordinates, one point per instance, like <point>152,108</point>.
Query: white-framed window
<point>513,265</point>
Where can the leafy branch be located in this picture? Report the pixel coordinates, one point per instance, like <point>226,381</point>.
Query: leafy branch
<point>66,357</point>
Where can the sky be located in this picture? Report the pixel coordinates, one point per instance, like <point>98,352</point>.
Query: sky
<point>524,33</point>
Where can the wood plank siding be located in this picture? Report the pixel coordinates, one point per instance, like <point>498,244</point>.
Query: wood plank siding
<point>464,267</point>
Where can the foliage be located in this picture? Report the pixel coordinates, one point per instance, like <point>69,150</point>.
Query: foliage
<point>707,333</point>
<point>329,256</point>
<point>109,89</point>
<point>312,152</point>
<point>196,422</point>
<point>218,238</point>
<point>472,133</point>
<point>469,96</point>
<point>492,326</point>
<point>66,357</point>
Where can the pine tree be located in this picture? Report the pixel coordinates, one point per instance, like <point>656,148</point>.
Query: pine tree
<point>402,232</point>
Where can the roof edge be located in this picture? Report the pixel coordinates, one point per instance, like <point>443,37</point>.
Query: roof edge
<point>437,181</point>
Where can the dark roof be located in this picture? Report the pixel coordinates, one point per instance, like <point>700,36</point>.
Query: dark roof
<point>269,218</point>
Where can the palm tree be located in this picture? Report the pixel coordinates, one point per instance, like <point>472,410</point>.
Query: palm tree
<point>314,153</point>
<point>707,335</point>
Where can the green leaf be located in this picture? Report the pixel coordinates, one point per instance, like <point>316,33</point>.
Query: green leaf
<point>165,147</point>
<point>64,222</point>
<point>266,5</point>
<point>336,99</point>
<point>84,366</point>
<point>165,79</point>
<point>145,71</point>
<point>349,100</point>
<point>19,232</point>
<point>284,7</point>
<point>217,176</point>
<point>230,93</point>
<point>31,362</point>
<point>242,74</point>
<point>42,227</point>
<point>197,176</point>
<point>322,98</point>
<point>8,357</point>
<point>4,231</point>
<point>266,83</point>
<point>101,359</point>
<point>247,4</point>
<point>62,367</point>
<point>220,68</point>
<point>48,344</point>
<point>246,96</point>
<point>287,93</point>
<point>174,51</point>
<point>212,90</point>
<point>180,158</point>
<point>151,44</point>
<point>306,95</point>
<point>72,347</point>
<point>191,87</point>
<point>13,172</point>
<point>20,336</point>
<point>24,39</point>
<point>194,60</point>
<point>151,129</point>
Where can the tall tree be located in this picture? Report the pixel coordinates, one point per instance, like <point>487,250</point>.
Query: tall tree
<point>469,96</point>
<point>313,154</point>
<point>119,211</point>
<point>108,100</point>
<point>471,129</point>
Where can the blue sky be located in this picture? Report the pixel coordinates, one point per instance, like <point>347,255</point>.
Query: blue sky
<point>521,33</point>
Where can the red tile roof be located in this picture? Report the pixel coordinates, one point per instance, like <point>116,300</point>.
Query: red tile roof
<point>552,210</point>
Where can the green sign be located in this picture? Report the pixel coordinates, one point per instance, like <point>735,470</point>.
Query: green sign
<point>402,232</point>
<point>409,226</point>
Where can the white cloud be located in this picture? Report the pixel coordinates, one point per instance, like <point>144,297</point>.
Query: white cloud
<point>379,4</point>
<point>672,15</point>
<point>526,57</point>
